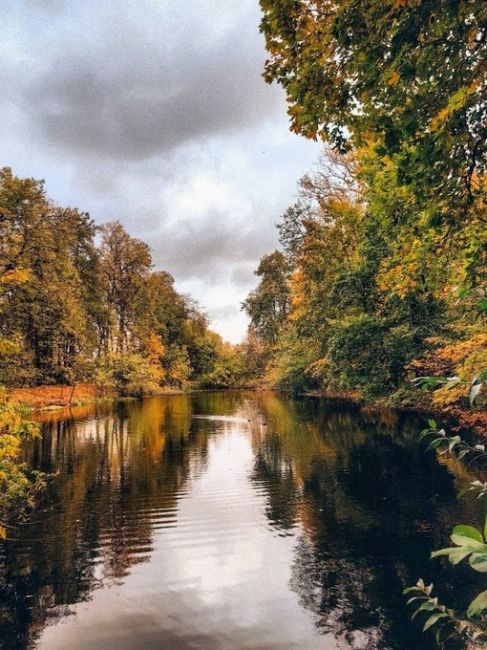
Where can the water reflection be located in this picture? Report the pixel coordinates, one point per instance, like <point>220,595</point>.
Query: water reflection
<point>229,520</point>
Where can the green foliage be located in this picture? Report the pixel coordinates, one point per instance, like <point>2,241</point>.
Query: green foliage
<point>268,304</point>
<point>380,237</point>
<point>469,543</point>
<point>177,365</point>
<point>73,310</point>
<point>291,369</point>
<point>370,354</point>
<point>442,620</point>
<point>228,371</point>
<point>406,77</point>
<point>134,374</point>
<point>453,444</point>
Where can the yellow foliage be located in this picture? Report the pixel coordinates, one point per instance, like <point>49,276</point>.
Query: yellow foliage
<point>16,276</point>
<point>393,78</point>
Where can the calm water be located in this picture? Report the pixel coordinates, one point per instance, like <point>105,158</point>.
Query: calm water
<point>230,521</point>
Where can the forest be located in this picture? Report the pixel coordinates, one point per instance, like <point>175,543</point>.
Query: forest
<point>83,303</point>
<point>380,285</point>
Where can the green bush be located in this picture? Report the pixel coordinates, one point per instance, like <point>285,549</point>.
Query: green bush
<point>129,375</point>
<point>292,366</point>
<point>369,354</point>
<point>228,372</point>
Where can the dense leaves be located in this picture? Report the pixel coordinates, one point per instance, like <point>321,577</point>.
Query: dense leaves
<point>405,77</point>
<point>387,243</point>
<point>17,484</point>
<point>82,303</point>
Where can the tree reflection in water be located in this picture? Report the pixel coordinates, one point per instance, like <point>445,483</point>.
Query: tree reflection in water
<point>372,505</point>
<point>359,502</point>
<point>114,475</point>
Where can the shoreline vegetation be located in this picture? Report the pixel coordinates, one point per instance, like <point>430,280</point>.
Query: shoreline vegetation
<point>384,256</point>
<point>41,400</point>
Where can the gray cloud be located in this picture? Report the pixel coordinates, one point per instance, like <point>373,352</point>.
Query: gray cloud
<point>126,93</point>
<point>213,245</point>
<point>154,112</point>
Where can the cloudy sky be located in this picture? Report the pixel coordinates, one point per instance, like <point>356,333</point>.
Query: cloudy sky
<point>154,112</point>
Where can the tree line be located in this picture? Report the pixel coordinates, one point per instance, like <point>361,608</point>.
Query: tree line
<point>382,273</point>
<point>81,302</point>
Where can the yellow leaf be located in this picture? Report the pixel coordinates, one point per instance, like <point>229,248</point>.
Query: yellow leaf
<point>393,78</point>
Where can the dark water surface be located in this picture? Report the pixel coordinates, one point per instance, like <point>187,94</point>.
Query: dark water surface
<point>231,521</point>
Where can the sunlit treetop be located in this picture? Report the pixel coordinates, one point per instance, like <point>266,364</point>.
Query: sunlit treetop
<point>406,77</point>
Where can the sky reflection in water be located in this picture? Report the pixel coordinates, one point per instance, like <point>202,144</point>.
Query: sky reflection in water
<point>230,520</point>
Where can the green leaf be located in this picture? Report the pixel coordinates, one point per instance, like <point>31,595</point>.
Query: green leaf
<point>478,562</point>
<point>433,619</point>
<point>469,532</point>
<point>460,540</point>
<point>432,423</point>
<point>443,551</point>
<point>428,606</point>
<point>458,554</point>
<point>478,604</point>
<point>408,590</point>
<point>462,293</point>
<point>434,444</point>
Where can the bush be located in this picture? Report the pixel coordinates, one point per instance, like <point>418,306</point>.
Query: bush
<point>17,485</point>
<point>367,353</point>
<point>292,367</point>
<point>228,372</point>
<point>129,375</point>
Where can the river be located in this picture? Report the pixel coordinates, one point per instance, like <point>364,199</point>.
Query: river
<point>231,520</point>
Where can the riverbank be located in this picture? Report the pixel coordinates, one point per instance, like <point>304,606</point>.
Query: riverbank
<point>55,397</point>
<point>452,416</point>
<point>58,396</point>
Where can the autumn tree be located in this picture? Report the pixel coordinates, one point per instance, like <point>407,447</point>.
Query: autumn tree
<point>407,78</point>
<point>48,261</point>
<point>125,263</point>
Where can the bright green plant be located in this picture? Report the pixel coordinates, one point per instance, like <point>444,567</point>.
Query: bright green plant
<point>452,444</point>
<point>469,543</point>
<point>442,620</point>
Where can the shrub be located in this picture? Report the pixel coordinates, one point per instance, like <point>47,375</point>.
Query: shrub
<point>369,354</point>
<point>130,375</point>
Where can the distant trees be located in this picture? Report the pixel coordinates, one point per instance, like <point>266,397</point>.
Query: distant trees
<point>72,309</point>
<point>268,304</point>
<point>125,264</point>
<point>354,302</point>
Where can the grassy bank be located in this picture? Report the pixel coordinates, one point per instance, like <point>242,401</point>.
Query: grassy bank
<point>44,397</point>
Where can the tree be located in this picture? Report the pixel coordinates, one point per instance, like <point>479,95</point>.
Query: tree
<point>48,288</point>
<point>405,78</point>
<point>125,263</point>
<point>268,304</point>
